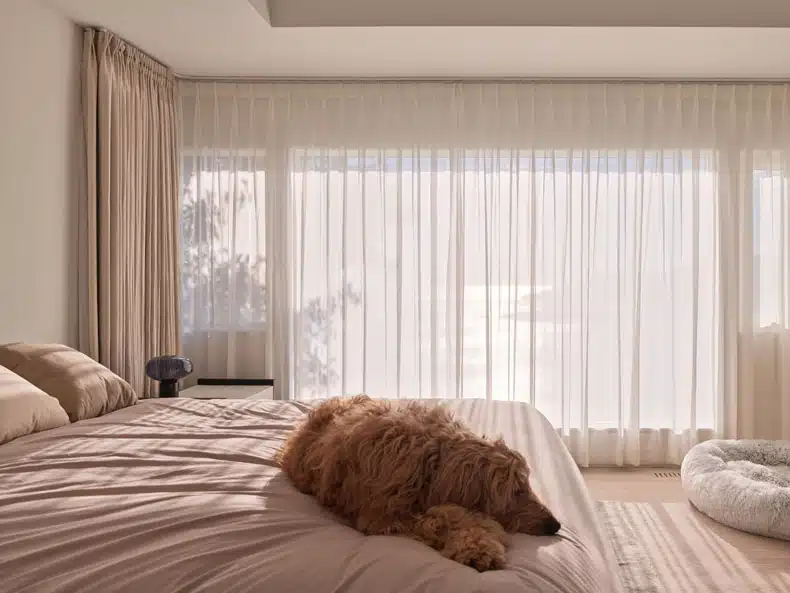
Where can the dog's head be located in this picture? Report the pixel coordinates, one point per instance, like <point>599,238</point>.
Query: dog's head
<point>494,479</point>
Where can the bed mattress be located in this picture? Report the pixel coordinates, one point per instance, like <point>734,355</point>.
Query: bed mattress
<point>184,495</point>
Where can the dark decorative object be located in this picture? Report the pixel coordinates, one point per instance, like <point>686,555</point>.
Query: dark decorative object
<point>168,370</point>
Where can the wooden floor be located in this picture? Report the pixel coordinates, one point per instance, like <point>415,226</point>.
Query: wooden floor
<point>635,485</point>
<point>766,560</point>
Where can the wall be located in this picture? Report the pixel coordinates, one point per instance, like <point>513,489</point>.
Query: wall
<point>39,92</point>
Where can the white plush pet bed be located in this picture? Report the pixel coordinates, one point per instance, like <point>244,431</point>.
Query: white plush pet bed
<point>743,484</point>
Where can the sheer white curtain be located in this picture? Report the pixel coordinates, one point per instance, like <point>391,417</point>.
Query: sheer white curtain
<point>615,254</point>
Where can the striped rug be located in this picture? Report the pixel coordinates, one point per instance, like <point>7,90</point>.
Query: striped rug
<point>671,548</point>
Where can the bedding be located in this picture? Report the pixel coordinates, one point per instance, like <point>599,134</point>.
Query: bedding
<point>84,388</point>
<point>184,495</point>
<point>25,409</point>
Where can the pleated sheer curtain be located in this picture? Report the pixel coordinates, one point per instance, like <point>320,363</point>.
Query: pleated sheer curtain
<point>615,254</point>
<point>129,215</point>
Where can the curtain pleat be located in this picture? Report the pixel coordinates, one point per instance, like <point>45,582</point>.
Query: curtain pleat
<point>614,254</point>
<point>130,298</point>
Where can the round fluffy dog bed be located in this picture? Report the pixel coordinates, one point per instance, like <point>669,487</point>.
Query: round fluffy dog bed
<point>743,484</point>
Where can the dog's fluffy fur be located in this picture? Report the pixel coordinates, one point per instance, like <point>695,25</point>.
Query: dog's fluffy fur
<point>414,471</point>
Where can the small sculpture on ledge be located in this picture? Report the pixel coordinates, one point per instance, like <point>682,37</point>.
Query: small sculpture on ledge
<point>168,370</point>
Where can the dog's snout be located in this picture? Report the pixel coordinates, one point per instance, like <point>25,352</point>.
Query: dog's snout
<point>551,526</point>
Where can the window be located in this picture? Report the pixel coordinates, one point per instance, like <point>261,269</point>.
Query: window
<point>528,275</point>
<point>223,242</point>
<point>771,221</point>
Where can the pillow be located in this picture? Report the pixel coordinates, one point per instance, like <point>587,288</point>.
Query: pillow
<point>25,409</point>
<point>84,388</point>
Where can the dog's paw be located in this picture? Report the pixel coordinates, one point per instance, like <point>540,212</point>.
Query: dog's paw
<point>493,559</point>
<point>476,548</point>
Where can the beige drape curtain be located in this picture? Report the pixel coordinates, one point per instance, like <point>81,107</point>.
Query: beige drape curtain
<point>129,256</point>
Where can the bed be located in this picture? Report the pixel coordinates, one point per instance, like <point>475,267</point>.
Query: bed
<point>183,495</point>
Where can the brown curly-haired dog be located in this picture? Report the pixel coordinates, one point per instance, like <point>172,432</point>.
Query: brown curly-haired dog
<point>414,471</point>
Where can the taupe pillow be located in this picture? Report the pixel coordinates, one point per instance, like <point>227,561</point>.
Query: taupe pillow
<point>84,388</point>
<point>25,409</point>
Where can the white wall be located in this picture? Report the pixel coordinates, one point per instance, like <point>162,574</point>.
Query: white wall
<point>39,92</point>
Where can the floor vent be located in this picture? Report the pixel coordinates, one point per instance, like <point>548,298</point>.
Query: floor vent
<point>667,475</point>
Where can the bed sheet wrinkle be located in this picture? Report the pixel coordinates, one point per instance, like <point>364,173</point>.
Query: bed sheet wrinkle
<point>349,570</point>
<point>184,495</point>
<point>205,536</point>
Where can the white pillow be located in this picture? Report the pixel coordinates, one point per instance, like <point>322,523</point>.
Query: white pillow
<point>25,409</point>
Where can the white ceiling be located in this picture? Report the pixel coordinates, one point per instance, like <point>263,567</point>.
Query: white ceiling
<point>526,13</point>
<point>229,38</point>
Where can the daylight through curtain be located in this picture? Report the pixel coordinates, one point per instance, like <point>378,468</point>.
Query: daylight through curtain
<point>614,254</point>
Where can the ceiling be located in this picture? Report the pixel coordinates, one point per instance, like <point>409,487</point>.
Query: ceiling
<point>526,13</point>
<point>230,38</point>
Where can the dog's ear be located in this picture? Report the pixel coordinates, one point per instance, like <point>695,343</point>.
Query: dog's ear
<point>430,467</point>
<point>462,476</point>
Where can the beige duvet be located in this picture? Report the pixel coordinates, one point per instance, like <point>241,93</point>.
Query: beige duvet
<point>183,495</point>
